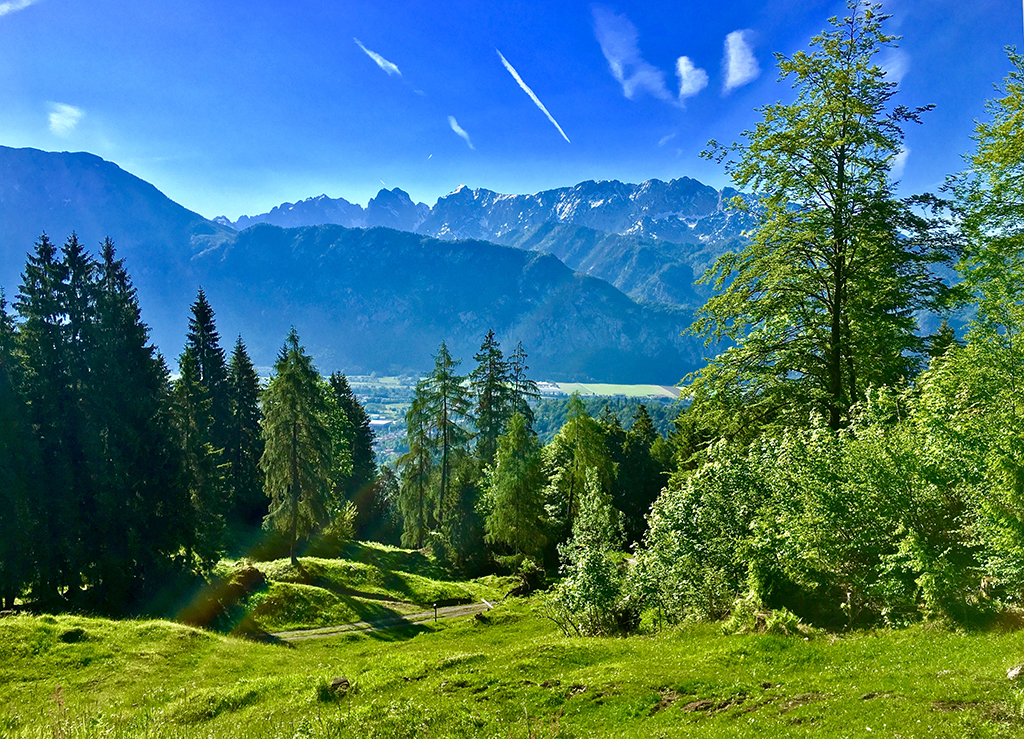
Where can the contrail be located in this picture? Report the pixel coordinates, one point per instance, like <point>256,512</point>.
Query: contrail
<point>529,92</point>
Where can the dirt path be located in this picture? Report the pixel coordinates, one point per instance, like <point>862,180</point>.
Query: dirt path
<point>467,609</point>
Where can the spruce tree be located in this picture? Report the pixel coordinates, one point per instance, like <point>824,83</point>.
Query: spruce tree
<point>490,386</point>
<point>141,506</point>
<point>18,468</point>
<point>416,465</point>
<point>640,476</point>
<point>524,389</point>
<point>248,500</point>
<point>203,340</point>
<point>358,485</point>
<point>297,453</point>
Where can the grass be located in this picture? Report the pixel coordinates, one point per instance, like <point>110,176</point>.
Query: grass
<point>325,592</point>
<point>510,673</point>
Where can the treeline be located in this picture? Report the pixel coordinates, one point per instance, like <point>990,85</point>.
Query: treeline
<point>478,486</point>
<point>116,481</point>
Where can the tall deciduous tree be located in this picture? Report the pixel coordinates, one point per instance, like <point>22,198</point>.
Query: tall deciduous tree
<point>297,454</point>
<point>821,304</point>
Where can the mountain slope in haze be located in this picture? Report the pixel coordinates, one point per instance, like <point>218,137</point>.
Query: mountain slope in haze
<point>58,193</point>
<point>648,239</point>
<point>380,299</point>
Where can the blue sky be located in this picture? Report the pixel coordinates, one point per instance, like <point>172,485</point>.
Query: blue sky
<point>233,108</point>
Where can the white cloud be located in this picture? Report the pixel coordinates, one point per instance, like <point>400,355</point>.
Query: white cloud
<point>899,162</point>
<point>619,42</point>
<point>665,139</point>
<point>64,118</point>
<point>14,5</point>
<point>895,64</point>
<point>691,79</point>
<point>383,63</point>
<point>528,91</point>
<point>739,65</point>
<point>460,131</point>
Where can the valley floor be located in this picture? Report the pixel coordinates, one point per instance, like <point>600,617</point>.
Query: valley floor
<point>506,673</point>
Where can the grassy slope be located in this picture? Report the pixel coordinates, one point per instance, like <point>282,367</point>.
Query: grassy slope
<point>375,582</point>
<point>514,676</point>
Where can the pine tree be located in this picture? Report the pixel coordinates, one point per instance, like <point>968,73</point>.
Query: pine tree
<point>490,385</point>
<point>244,440</point>
<point>640,476</point>
<point>297,454</point>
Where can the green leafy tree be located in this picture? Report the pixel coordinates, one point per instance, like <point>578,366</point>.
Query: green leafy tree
<point>821,304</point>
<point>513,493</point>
<point>577,447</point>
<point>244,439</point>
<point>297,445</point>
<point>490,386</point>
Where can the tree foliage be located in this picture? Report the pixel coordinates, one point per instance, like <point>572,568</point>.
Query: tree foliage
<point>821,304</point>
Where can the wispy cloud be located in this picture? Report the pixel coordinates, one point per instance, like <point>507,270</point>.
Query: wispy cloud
<point>739,65</point>
<point>460,131</point>
<point>665,139</point>
<point>899,162</point>
<point>691,79</point>
<point>895,64</point>
<point>619,42</point>
<point>528,91</point>
<point>14,5</point>
<point>383,63</point>
<point>64,118</point>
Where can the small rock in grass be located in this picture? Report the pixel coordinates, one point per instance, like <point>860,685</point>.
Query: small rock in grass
<point>1015,672</point>
<point>701,705</point>
<point>340,685</point>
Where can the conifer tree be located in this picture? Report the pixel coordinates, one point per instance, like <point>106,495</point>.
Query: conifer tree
<point>203,340</point>
<point>17,468</point>
<point>446,405</point>
<point>640,477</point>
<point>141,505</point>
<point>490,387</point>
<point>523,388</point>
<point>514,501</point>
<point>358,484</point>
<point>416,467</point>
<point>297,453</point>
<point>203,468</point>
<point>244,440</point>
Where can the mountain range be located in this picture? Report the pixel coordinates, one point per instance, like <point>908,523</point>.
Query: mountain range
<point>379,291</point>
<point>648,239</point>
